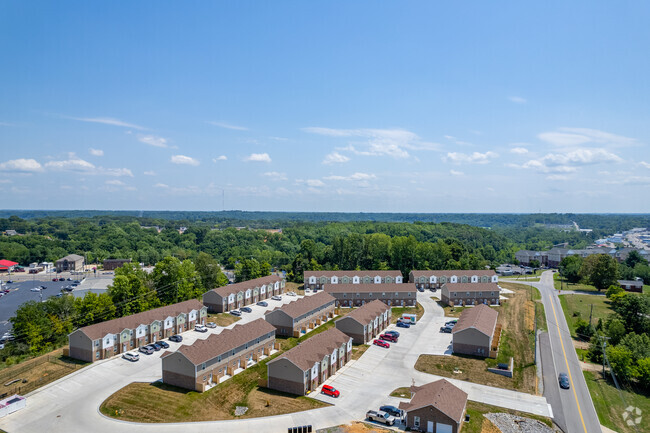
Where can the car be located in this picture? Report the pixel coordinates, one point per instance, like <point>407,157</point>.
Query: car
<point>563,378</point>
<point>43,287</point>
<point>74,284</point>
<point>433,289</point>
<point>246,309</point>
<point>388,337</point>
<point>276,297</point>
<point>451,323</point>
<point>403,325</point>
<point>162,344</point>
<point>69,279</point>
<point>291,293</point>
<point>156,345</point>
<point>392,410</point>
<point>330,390</point>
<point>446,329</point>
<point>10,281</point>
<point>177,338</point>
<point>211,325</point>
<point>153,347</point>
<point>146,349</point>
<point>35,289</point>
<point>395,333</point>
<point>76,281</point>
<point>380,416</point>
<point>200,328</point>
<point>55,279</point>
<point>68,289</point>
<point>58,295</point>
<point>235,312</point>
<point>420,289</point>
<point>263,304</point>
<point>381,343</point>
<point>131,356</point>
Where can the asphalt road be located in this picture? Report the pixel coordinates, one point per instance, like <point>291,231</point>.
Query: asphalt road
<point>574,404</point>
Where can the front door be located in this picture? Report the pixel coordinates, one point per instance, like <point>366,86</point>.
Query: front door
<point>430,426</point>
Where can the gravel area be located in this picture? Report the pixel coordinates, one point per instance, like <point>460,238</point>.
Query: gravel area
<point>240,410</point>
<point>516,424</point>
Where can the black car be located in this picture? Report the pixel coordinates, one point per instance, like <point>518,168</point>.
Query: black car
<point>156,346</point>
<point>396,334</point>
<point>263,304</point>
<point>246,309</point>
<point>162,344</point>
<point>9,281</point>
<point>564,381</point>
<point>446,329</point>
<point>391,410</point>
<point>177,338</point>
<point>420,289</point>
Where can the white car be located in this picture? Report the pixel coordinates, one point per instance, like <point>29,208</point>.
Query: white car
<point>35,289</point>
<point>276,298</point>
<point>291,294</point>
<point>133,357</point>
<point>211,325</point>
<point>200,328</point>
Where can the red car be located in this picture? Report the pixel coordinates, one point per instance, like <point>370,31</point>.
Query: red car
<point>388,337</point>
<point>330,390</point>
<point>381,343</point>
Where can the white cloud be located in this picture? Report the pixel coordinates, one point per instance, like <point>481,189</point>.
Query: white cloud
<point>115,182</point>
<point>78,165</point>
<point>519,150</point>
<point>115,172</point>
<point>353,177</point>
<point>161,185</point>
<point>96,152</point>
<point>149,173</point>
<point>153,140</point>
<point>182,159</point>
<point>21,164</point>
<point>517,99</point>
<point>258,157</point>
<point>563,138</point>
<point>315,182</point>
<point>274,175</point>
<point>568,137</point>
<point>645,164</point>
<point>570,161</point>
<point>107,121</point>
<point>474,158</point>
<point>228,126</point>
<point>456,173</point>
<point>3,181</point>
<point>220,158</point>
<point>335,158</point>
<point>377,142</point>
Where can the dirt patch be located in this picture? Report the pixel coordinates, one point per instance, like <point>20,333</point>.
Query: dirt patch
<point>223,319</point>
<point>359,350</point>
<point>268,402</point>
<point>299,288</point>
<point>355,427</point>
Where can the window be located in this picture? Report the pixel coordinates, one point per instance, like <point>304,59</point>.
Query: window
<point>491,293</point>
<point>203,368</point>
<point>219,360</point>
<point>370,295</point>
<point>345,295</point>
<point>204,378</point>
<point>96,343</point>
<point>455,294</point>
<point>97,355</point>
<point>396,294</point>
<point>383,295</point>
<point>467,293</point>
<point>480,293</point>
<point>416,421</point>
<point>358,295</point>
<point>410,294</point>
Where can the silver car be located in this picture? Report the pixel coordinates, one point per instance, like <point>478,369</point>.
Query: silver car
<point>380,416</point>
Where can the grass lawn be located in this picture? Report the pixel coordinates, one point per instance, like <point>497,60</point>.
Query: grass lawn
<point>157,402</point>
<point>610,407</point>
<point>403,392</point>
<point>358,350</point>
<point>646,289</point>
<point>577,307</point>
<point>517,319</point>
<point>398,311</point>
<point>449,311</point>
<point>223,319</point>
<point>565,285</point>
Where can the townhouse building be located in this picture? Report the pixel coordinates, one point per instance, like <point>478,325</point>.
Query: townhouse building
<point>302,369</point>
<point>554,256</point>
<point>366,322</point>
<point>237,295</point>
<point>356,295</point>
<point>316,280</point>
<point>205,363</point>
<point>435,279</point>
<point>476,332</point>
<point>461,294</point>
<point>301,315</point>
<point>435,407</point>
<point>106,339</point>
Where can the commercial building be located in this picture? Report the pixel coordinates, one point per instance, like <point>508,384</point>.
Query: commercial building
<point>437,407</point>
<point>302,369</point>
<point>318,279</point>
<point>237,295</point>
<point>476,332</point>
<point>112,264</point>
<point>71,262</point>
<point>435,279</point>
<point>356,295</point>
<point>299,316</point>
<point>207,362</point>
<point>106,339</point>
<point>461,294</point>
<point>366,322</point>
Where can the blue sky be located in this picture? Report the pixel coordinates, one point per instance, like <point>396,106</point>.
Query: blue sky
<point>326,106</point>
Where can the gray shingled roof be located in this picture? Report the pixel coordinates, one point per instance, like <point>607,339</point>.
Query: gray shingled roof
<point>305,304</point>
<point>458,273</point>
<point>245,285</point>
<point>481,317</point>
<point>353,273</point>
<point>115,326</point>
<point>369,288</point>
<point>314,349</point>
<point>367,312</point>
<point>440,394</point>
<point>472,287</point>
<point>70,258</point>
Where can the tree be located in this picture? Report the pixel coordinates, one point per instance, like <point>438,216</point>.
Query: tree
<point>637,344</point>
<point>584,330</point>
<point>615,331</point>
<point>595,351</point>
<point>600,270</point>
<point>176,281</point>
<point>534,263</point>
<point>620,359</point>
<point>614,290</point>
<point>247,269</point>
<point>570,268</point>
<point>209,271</point>
<point>633,311</point>
<point>32,324</point>
<point>633,258</point>
<point>94,308</point>
<point>643,372</point>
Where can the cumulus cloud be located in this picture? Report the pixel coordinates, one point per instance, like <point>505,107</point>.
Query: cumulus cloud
<point>570,161</point>
<point>228,126</point>
<point>21,165</point>
<point>161,185</point>
<point>335,158</point>
<point>314,182</point>
<point>96,152</point>
<point>78,165</point>
<point>153,140</point>
<point>645,164</point>
<point>274,175</point>
<point>184,160</point>
<point>560,177</point>
<point>377,142</point>
<point>258,157</point>
<point>473,158</point>
<point>570,137</point>
<point>456,173</point>
<point>149,173</point>
<point>519,150</point>
<point>353,177</point>
<point>220,158</point>
<point>115,182</point>
<point>108,121</point>
<point>517,99</point>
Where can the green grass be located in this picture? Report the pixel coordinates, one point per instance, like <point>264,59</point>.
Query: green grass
<point>403,392</point>
<point>646,289</point>
<point>610,407</point>
<point>396,312</point>
<point>577,307</point>
<point>565,285</point>
<point>476,412</point>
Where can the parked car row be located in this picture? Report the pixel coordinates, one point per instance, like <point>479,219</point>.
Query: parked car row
<point>449,326</point>
<point>386,414</point>
<point>260,303</point>
<point>151,348</point>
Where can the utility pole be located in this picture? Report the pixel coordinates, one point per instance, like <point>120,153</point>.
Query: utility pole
<point>591,313</point>
<point>604,346</point>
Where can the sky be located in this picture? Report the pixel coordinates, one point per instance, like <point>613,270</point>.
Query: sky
<point>348,106</point>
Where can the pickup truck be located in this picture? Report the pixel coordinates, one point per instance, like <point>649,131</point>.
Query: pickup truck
<point>379,416</point>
